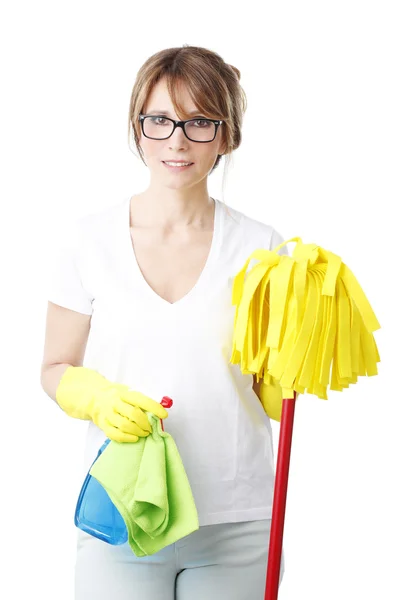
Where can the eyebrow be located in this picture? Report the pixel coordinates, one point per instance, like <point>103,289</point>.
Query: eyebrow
<point>166,112</point>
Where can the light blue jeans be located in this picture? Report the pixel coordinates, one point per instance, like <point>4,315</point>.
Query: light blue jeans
<point>216,562</point>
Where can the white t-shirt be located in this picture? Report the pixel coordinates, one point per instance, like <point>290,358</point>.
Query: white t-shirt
<point>181,350</point>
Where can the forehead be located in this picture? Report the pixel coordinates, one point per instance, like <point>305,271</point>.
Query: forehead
<point>159,98</point>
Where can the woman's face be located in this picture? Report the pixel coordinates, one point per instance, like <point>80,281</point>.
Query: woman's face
<point>177,147</point>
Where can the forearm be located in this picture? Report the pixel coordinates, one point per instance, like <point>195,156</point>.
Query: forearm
<point>51,377</point>
<point>257,386</point>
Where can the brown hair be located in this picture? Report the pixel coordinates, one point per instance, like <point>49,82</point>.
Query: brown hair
<point>213,85</point>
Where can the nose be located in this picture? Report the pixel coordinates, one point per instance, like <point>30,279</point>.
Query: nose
<point>178,136</point>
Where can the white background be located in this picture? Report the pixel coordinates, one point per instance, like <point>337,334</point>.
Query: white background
<point>319,159</point>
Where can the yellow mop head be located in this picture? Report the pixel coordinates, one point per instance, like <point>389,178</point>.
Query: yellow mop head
<point>296,316</point>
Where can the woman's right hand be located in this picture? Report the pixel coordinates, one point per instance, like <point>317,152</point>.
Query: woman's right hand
<point>118,410</point>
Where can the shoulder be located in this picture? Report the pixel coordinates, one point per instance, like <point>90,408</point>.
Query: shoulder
<point>78,234</point>
<point>255,231</point>
<point>98,221</point>
<point>96,227</point>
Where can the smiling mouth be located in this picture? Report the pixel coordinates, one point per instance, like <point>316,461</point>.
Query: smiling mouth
<point>177,167</point>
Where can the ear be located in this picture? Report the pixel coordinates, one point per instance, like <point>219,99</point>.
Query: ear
<point>222,147</point>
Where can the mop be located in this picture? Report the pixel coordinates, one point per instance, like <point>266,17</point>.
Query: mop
<point>302,322</point>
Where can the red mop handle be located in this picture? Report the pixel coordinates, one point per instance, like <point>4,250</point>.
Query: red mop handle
<point>279,501</point>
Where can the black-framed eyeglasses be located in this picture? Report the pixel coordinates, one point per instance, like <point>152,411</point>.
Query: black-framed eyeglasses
<point>159,127</point>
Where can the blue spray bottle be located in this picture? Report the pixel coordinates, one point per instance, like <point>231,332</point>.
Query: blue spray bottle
<point>95,513</point>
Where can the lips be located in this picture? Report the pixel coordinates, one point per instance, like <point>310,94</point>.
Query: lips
<point>190,163</point>
<point>173,169</point>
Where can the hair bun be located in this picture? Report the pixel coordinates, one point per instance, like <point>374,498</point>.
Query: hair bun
<point>237,72</point>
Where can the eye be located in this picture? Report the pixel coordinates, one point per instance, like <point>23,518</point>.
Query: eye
<point>156,120</point>
<point>204,123</point>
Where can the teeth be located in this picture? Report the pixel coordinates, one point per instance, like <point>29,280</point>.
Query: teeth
<point>173,164</point>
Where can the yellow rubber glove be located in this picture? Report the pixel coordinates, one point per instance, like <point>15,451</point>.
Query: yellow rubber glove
<point>119,411</point>
<point>271,398</point>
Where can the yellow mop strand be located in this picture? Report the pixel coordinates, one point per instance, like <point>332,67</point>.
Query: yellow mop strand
<point>297,316</point>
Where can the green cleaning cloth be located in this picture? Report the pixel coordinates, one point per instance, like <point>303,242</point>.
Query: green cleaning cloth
<point>147,483</point>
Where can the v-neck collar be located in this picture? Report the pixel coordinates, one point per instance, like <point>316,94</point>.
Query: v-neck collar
<point>136,277</point>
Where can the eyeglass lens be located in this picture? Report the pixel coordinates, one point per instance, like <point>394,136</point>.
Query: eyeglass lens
<point>199,130</point>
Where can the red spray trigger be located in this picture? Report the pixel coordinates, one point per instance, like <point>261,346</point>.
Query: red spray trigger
<point>166,402</point>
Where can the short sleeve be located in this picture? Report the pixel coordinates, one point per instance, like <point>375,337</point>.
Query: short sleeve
<point>277,239</point>
<point>64,281</point>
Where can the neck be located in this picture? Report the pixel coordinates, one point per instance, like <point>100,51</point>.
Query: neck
<point>171,211</point>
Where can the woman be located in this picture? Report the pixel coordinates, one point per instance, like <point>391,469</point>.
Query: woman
<point>151,280</point>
